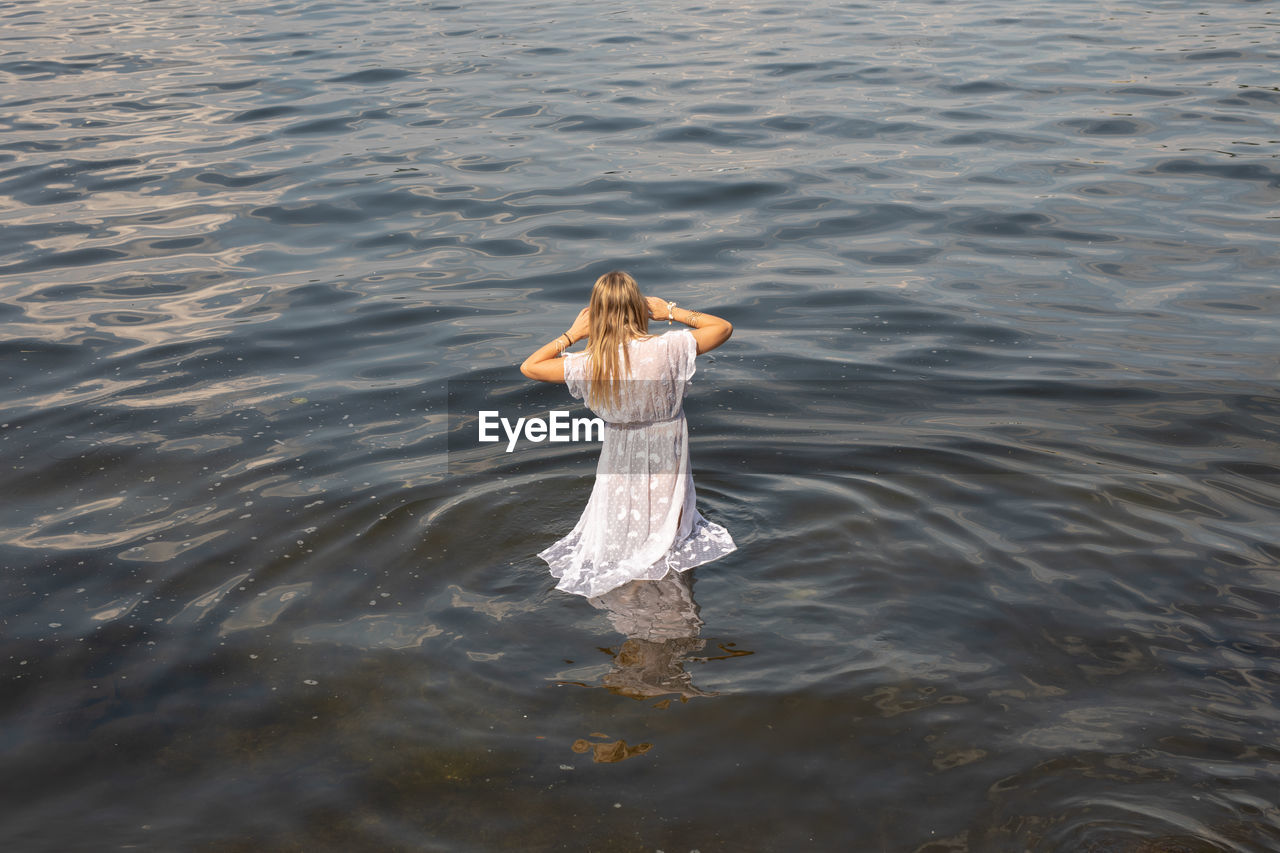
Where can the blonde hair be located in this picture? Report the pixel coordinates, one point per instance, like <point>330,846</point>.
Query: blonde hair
<point>618,315</point>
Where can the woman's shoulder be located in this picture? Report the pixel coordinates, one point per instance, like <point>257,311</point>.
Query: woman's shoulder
<point>664,341</point>
<point>670,336</point>
<point>681,337</point>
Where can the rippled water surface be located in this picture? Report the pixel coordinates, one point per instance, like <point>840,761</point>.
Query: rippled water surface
<point>995,433</point>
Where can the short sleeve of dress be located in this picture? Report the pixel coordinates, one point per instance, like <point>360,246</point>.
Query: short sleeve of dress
<point>575,374</point>
<point>684,352</point>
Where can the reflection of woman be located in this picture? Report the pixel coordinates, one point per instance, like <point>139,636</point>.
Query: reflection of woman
<point>641,520</point>
<point>661,623</point>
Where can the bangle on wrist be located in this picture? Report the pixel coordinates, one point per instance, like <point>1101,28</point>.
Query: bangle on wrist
<point>671,312</point>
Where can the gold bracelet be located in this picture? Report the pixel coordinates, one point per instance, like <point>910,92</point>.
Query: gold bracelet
<point>692,319</point>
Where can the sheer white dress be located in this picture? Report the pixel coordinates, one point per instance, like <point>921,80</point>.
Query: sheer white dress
<point>641,520</point>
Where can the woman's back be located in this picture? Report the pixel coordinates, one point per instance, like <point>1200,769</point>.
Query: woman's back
<point>660,369</point>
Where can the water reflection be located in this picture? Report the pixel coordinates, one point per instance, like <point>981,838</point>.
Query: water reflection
<point>609,751</point>
<point>661,622</point>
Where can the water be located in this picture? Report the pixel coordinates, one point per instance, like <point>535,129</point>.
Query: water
<point>994,435</point>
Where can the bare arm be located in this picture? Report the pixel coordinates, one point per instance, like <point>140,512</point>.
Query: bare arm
<point>545,364</point>
<point>709,330</point>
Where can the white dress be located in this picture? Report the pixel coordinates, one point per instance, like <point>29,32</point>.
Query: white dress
<point>641,520</point>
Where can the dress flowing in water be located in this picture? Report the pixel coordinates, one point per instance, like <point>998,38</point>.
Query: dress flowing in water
<point>641,520</point>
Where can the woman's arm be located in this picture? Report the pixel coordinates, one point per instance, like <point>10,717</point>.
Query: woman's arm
<point>544,364</point>
<point>709,330</point>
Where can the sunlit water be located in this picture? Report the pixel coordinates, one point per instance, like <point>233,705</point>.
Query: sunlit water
<point>995,433</point>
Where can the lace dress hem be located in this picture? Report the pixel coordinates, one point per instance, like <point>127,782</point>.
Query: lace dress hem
<point>708,541</point>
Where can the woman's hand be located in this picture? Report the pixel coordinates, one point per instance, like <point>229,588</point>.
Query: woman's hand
<point>581,325</point>
<point>657,307</point>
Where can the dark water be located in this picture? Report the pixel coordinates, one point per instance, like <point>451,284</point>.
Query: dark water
<point>995,433</point>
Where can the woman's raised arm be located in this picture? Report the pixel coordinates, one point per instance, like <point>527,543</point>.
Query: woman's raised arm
<point>709,330</point>
<point>545,364</point>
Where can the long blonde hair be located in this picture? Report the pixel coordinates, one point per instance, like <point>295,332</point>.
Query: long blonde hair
<point>618,315</point>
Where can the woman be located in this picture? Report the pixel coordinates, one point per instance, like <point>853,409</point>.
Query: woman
<point>641,520</point>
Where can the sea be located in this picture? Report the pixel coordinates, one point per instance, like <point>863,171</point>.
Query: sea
<point>995,434</point>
